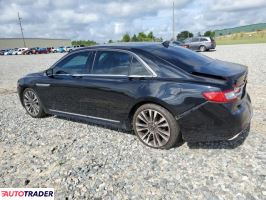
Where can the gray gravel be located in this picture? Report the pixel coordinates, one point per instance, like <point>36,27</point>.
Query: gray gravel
<point>82,161</point>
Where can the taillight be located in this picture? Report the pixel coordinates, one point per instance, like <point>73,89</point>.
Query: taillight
<point>220,96</point>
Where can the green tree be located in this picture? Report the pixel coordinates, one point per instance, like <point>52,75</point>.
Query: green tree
<point>209,33</point>
<point>151,36</point>
<point>83,42</point>
<point>142,36</point>
<point>183,35</point>
<point>126,38</point>
<point>134,38</point>
<point>110,41</point>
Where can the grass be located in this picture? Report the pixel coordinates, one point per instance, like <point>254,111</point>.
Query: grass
<point>242,38</point>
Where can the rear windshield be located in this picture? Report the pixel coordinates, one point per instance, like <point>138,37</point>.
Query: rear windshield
<point>182,57</point>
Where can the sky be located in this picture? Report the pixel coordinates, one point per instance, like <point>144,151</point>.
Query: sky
<point>101,20</point>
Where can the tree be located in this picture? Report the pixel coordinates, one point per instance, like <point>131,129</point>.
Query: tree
<point>142,36</point>
<point>209,33</point>
<point>126,38</point>
<point>151,36</point>
<point>134,38</point>
<point>183,35</point>
<point>83,42</point>
<point>110,41</point>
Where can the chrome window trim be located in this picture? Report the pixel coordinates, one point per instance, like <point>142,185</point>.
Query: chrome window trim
<point>87,116</point>
<point>147,67</point>
<point>105,75</point>
<point>92,75</point>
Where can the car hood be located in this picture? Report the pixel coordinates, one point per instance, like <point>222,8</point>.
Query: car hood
<point>36,74</point>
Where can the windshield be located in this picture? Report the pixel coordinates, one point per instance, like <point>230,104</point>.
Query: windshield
<point>182,57</point>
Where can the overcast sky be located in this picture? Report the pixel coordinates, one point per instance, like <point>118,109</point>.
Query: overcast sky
<point>101,20</point>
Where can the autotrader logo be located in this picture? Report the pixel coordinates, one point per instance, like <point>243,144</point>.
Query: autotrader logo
<point>27,193</point>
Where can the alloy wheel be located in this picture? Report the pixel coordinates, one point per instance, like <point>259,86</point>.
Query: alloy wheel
<point>152,128</point>
<point>31,103</point>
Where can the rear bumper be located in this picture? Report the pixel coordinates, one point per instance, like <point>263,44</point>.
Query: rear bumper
<point>213,122</point>
<point>211,46</point>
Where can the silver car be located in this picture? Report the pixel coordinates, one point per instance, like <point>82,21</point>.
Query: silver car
<point>200,43</point>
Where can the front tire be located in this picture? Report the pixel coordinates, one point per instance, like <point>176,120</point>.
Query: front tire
<point>32,103</point>
<point>156,127</point>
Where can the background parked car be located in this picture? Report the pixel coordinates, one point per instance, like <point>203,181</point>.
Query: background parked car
<point>2,52</point>
<point>49,49</point>
<point>75,47</point>
<point>60,50</point>
<point>42,50</point>
<point>68,48</point>
<point>9,52</point>
<point>15,51</point>
<point>200,43</point>
<point>53,50</point>
<point>21,50</point>
<point>29,51</point>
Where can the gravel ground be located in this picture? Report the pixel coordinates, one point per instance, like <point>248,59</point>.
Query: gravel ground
<point>83,161</point>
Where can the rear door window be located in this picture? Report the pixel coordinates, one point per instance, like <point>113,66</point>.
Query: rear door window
<point>203,40</point>
<point>111,63</point>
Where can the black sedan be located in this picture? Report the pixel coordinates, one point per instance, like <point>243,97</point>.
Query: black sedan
<point>164,93</point>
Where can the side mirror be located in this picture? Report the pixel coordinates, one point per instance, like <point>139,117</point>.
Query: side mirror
<point>49,72</point>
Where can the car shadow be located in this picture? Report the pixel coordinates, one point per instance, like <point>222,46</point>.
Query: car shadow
<point>211,50</point>
<point>229,144</point>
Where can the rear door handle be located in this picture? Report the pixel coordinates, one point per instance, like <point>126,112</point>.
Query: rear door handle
<point>43,84</point>
<point>77,75</point>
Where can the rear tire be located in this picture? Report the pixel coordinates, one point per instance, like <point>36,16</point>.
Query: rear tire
<point>32,103</point>
<point>156,127</point>
<point>202,48</point>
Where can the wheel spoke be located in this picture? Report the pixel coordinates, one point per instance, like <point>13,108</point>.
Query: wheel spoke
<point>164,132</point>
<point>142,118</point>
<point>145,135</point>
<point>164,136</point>
<point>158,139</point>
<point>155,115</point>
<point>142,125</point>
<point>147,138</point>
<point>150,115</point>
<point>142,129</point>
<point>161,120</point>
<point>143,114</point>
<point>163,125</point>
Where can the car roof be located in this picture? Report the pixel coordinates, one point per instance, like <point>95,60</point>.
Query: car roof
<point>125,46</point>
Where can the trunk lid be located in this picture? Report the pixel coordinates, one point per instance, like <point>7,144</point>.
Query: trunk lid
<point>233,73</point>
